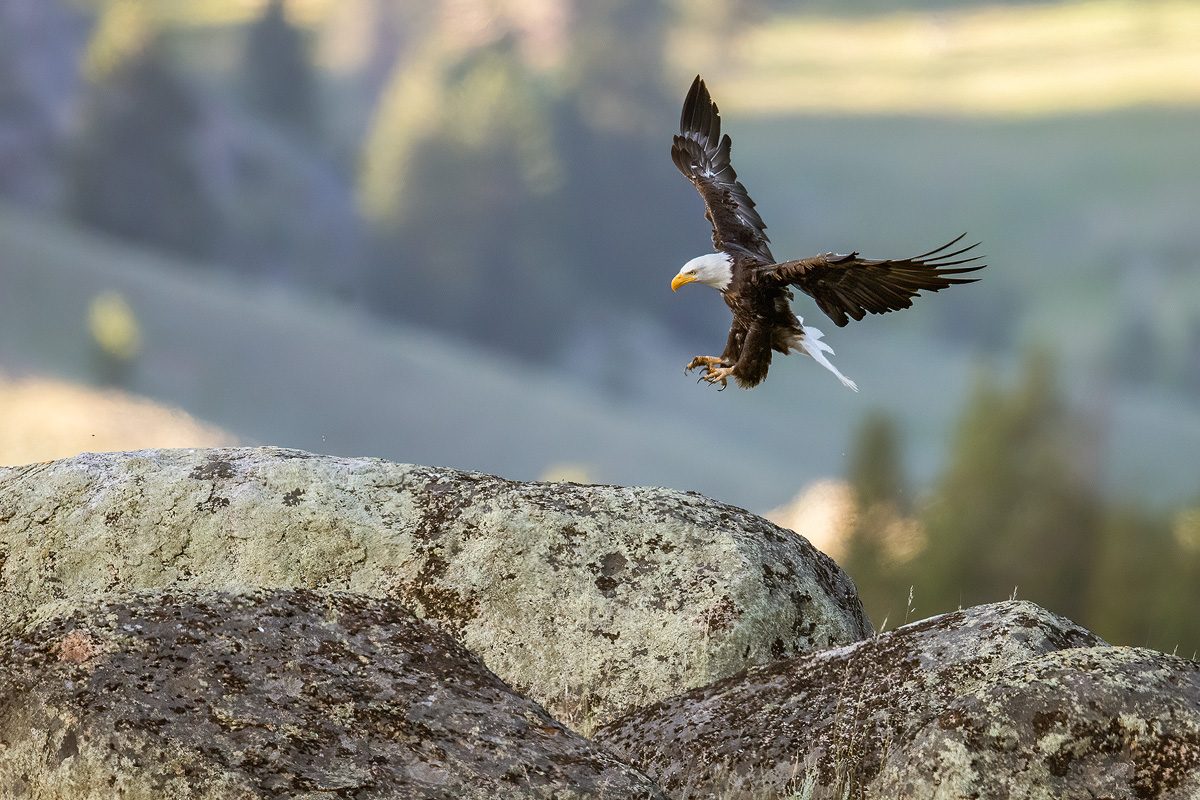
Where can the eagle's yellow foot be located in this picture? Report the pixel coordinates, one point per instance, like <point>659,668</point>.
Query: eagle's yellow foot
<point>708,362</point>
<point>717,375</point>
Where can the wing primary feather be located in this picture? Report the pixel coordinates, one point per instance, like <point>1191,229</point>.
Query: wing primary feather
<point>702,154</point>
<point>714,120</point>
<point>702,120</point>
<point>950,243</point>
<point>942,257</point>
<point>940,266</point>
<point>847,286</point>
<point>690,105</point>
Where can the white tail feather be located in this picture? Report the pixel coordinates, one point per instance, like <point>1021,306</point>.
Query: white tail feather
<point>810,342</point>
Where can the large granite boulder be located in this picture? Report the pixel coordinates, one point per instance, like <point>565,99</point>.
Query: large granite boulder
<point>590,599</point>
<point>284,693</point>
<point>834,718</point>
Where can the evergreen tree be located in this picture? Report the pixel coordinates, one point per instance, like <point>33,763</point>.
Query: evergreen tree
<point>1133,552</point>
<point>136,170</point>
<point>279,78</point>
<point>876,472</point>
<point>459,178</point>
<point>616,67</point>
<point>873,556</point>
<point>1016,508</point>
<point>1179,590</point>
<point>614,112</point>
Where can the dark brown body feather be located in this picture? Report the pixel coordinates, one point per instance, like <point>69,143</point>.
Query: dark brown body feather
<point>845,286</point>
<point>763,323</point>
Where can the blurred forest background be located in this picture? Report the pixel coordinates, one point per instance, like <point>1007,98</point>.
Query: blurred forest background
<point>443,232</point>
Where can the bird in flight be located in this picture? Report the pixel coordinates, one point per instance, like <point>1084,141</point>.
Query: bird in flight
<point>757,288</point>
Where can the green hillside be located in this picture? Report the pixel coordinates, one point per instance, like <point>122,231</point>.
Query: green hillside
<point>1086,218</point>
<point>883,131</point>
<point>274,367</point>
<point>280,369</point>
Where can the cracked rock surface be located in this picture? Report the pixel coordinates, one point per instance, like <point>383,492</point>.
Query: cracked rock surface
<point>921,706</point>
<point>592,600</point>
<point>274,694</point>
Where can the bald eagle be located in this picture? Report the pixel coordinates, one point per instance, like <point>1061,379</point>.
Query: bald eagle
<point>756,287</point>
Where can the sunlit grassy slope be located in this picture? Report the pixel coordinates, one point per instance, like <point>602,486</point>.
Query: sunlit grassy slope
<point>1026,58</point>
<point>1004,60</point>
<point>220,12</point>
<point>46,419</point>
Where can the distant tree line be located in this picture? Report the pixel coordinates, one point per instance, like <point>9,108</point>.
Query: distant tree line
<point>235,177</point>
<point>455,179</point>
<point>1019,510</point>
<point>487,195</point>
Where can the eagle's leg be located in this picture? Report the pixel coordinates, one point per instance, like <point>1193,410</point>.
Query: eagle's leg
<point>717,375</point>
<point>708,362</point>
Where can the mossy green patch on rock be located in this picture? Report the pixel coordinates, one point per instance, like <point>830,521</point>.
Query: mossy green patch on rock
<point>590,599</point>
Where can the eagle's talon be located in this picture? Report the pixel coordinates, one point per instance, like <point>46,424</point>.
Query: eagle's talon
<point>703,361</point>
<point>718,375</point>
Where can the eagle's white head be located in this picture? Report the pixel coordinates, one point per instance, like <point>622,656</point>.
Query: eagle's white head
<point>713,269</point>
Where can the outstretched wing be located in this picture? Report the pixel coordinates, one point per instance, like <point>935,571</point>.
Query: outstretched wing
<point>849,286</point>
<point>702,155</point>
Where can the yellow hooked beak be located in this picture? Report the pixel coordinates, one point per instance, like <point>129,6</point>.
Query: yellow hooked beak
<point>681,280</point>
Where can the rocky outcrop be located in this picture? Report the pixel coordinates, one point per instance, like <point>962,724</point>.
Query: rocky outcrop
<point>286,693</point>
<point>834,718</point>
<point>140,654</point>
<point>591,600</point>
<point>1114,722</point>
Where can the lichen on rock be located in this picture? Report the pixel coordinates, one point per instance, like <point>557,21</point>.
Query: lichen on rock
<point>285,693</point>
<point>834,716</point>
<point>590,599</point>
<point>1070,725</point>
